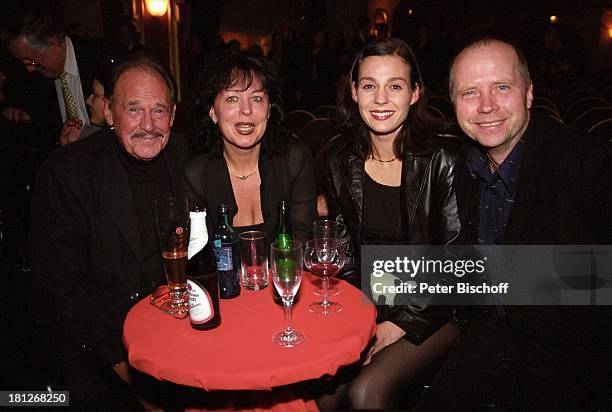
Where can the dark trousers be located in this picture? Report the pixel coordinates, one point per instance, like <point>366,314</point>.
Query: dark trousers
<point>493,367</point>
<point>92,383</point>
<point>94,386</point>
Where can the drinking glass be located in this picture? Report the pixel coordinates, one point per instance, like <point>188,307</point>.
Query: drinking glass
<point>326,228</point>
<point>286,266</point>
<point>324,257</point>
<point>172,215</point>
<point>254,260</point>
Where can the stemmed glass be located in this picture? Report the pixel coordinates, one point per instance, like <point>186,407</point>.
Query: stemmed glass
<point>326,228</point>
<point>286,265</point>
<point>324,257</point>
<point>172,215</point>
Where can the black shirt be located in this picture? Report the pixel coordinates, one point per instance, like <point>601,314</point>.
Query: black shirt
<point>381,218</point>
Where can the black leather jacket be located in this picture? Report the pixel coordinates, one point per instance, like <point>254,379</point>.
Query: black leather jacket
<point>428,213</point>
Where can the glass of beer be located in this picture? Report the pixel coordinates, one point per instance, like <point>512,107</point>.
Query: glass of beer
<point>172,214</point>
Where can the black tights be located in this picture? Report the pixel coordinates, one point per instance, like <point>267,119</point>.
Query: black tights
<point>392,373</point>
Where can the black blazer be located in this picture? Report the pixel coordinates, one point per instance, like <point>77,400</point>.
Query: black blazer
<point>85,246</point>
<point>563,197</point>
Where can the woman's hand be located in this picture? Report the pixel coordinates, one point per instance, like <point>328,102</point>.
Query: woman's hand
<point>387,333</point>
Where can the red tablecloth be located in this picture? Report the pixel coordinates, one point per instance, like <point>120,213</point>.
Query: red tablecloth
<point>240,354</point>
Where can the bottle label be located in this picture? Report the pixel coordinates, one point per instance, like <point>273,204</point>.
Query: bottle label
<point>201,309</point>
<point>198,236</point>
<point>224,256</point>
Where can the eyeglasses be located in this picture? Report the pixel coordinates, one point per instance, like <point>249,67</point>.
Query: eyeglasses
<point>32,63</point>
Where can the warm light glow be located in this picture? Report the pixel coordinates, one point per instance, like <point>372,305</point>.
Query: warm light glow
<point>553,19</point>
<point>157,8</point>
<point>177,13</point>
<point>410,11</point>
<point>610,33</point>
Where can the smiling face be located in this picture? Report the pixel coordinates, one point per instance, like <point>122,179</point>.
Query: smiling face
<point>383,94</point>
<point>491,98</point>
<point>141,113</point>
<point>242,114</point>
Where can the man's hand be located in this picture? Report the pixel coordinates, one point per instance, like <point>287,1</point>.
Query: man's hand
<point>15,114</point>
<point>71,131</point>
<point>123,370</point>
<point>387,333</point>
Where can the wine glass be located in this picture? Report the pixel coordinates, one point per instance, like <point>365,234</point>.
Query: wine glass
<point>329,229</point>
<point>286,265</point>
<point>172,215</point>
<point>324,257</point>
<point>325,228</point>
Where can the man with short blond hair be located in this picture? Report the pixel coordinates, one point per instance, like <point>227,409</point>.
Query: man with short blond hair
<point>525,180</point>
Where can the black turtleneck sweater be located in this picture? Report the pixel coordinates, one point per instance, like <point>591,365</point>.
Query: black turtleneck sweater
<point>148,180</point>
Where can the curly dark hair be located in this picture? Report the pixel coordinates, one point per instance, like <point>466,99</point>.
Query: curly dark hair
<point>226,70</point>
<point>417,127</point>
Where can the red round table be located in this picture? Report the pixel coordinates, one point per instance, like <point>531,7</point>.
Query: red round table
<point>239,354</point>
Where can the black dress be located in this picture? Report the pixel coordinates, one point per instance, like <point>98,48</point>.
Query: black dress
<point>287,176</point>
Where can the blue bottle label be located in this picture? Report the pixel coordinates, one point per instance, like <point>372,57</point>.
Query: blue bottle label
<point>223,255</point>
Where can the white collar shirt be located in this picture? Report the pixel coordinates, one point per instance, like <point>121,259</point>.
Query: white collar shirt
<point>74,81</point>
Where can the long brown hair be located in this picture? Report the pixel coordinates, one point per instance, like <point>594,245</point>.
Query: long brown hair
<point>418,125</point>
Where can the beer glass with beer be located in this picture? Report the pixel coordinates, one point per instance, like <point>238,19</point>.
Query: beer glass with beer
<point>172,215</point>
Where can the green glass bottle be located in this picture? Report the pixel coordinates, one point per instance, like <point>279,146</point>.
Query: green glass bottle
<point>284,235</point>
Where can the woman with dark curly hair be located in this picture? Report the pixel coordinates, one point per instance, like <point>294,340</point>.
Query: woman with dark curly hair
<point>390,181</point>
<point>250,162</point>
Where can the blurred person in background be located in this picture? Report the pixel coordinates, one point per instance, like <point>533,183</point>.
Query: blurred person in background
<point>68,63</point>
<point>72,130</point>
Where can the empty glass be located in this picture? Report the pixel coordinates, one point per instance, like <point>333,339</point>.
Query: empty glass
<point>254,258</point>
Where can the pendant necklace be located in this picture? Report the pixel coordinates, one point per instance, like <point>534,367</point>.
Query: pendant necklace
<point>371,156</point>
<point>239,176</point>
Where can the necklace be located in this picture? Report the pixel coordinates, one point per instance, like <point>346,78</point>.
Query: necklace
<point>241,177</point>
<point>371,156</point>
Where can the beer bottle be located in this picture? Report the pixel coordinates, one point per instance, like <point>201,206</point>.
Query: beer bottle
<point>225,246</point>
<point>202,277</point>
<point>284,235</point>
